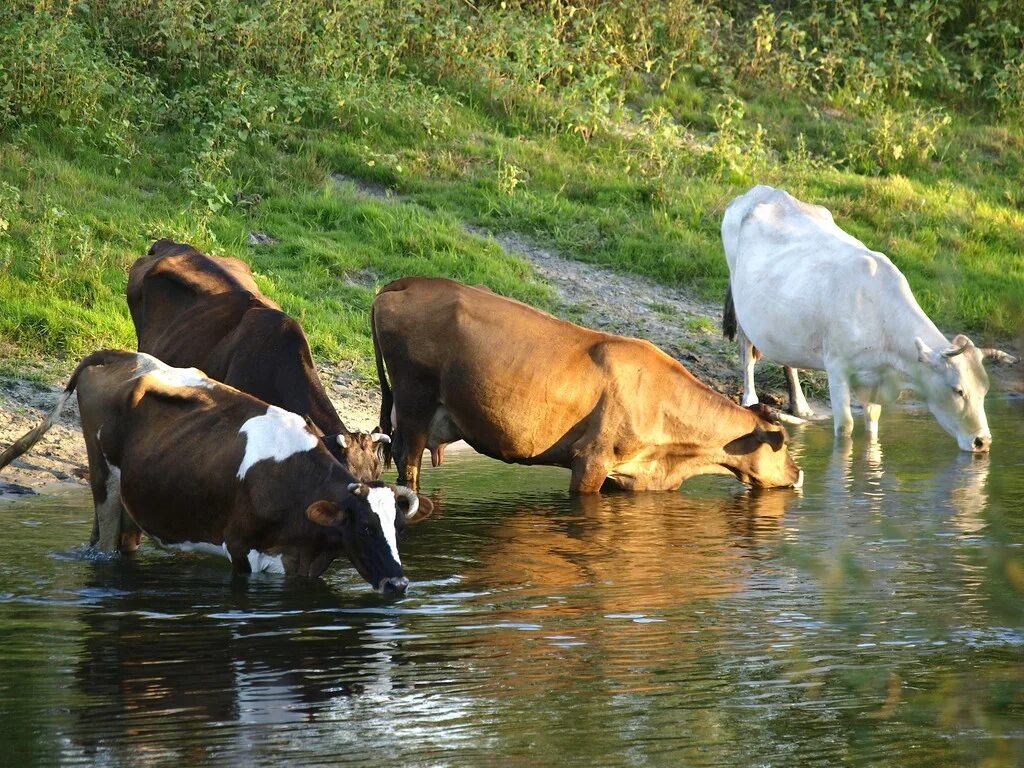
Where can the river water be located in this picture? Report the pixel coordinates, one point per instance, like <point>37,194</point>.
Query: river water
<point>874,618</point>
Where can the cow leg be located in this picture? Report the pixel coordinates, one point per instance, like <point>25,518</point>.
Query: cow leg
<point>871,413</point>
<point>872,410</point>
<point>839,393</point>
<point>416,445</point>
<point>238,551</point>
<point>590,467</point>
<point>747,361</point>
<point>109,512</point>
<point>797,402</point>
<point>112,527</point>
<point>131,534</point>
<point>410,440</point>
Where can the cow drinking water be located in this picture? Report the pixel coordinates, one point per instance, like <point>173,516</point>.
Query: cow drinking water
<point>808,295</point>
<point>522,386</point>
<point>198,465</point>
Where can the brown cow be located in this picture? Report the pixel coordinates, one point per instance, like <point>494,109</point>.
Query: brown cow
<point>191,309</point>
<point>522,386</point>
<point>198,465</point>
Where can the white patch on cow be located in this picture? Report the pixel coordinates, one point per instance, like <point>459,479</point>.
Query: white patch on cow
<point>172,377</point>
<point>197,548</point>
<point>108,512</point>
<point>275,435</point>
<point>113,480</point>
<point>382,502</point>
<point>260,562</point>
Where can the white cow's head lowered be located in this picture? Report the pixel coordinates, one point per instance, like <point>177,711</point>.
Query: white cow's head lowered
<point>954,383</point>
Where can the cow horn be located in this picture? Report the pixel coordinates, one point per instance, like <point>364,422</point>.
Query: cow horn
<point>998,356</point>
<point>380,437</point>
<point>358,489</point>
<point>409,495</point>
<point>954,351</point>
<point>787,418</point>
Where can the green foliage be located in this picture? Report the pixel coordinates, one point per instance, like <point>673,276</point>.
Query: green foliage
<point>52,73</point>
<point>618,131</point>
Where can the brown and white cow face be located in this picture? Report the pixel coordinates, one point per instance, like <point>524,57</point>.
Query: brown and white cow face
<point>360,452</point>
<point>365,527</point>
<point>954,384</point>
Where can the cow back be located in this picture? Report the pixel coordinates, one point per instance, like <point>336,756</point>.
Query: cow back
<point>172,277</point>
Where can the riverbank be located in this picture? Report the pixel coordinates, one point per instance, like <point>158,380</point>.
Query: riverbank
<point>678,321</point>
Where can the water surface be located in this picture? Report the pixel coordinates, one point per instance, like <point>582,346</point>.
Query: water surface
<point>875,618</point>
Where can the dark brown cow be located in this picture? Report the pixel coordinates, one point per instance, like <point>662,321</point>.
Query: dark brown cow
<point>522,386</point>
<point>198,465</point>
<point>190,309</point>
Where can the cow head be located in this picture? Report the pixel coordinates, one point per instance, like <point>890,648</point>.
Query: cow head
<point>359,452</point>
<point>365,524</point>
<point>761,457</point>
<point>953,382</point>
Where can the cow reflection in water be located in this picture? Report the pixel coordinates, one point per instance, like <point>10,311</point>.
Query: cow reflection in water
<point>167,683</point>
<point>859,474</point>
<point>901,506</point>
<point>621,561</point>
<point>957,487</point>
<point>969,492</point>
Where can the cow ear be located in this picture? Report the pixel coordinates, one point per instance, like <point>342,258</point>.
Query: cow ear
<point>775,438</point>
<point>764,412</point>
<point>423,511</point>
<point>411,506</point>
<point>325,513</point>
<point>925,354</point>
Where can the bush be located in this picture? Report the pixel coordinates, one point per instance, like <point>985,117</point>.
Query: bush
<point>235,72</point>
<point>52,74</point>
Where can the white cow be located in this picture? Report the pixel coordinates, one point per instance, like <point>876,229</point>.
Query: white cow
<point>809,295</point>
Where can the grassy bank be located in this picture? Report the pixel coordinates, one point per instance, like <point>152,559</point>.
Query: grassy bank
<point>616,132</point>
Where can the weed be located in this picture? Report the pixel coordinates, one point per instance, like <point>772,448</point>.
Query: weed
<point>701,325</point>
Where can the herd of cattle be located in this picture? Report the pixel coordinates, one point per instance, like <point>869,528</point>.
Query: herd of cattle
<point>218,436</point>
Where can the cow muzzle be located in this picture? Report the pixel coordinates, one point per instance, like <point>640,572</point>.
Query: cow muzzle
<point>393,584</point>
<point>980,444</point>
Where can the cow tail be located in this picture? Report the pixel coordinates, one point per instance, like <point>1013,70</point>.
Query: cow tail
<point>30,438</point>
<point>729,316</point>
<point>387,399</point>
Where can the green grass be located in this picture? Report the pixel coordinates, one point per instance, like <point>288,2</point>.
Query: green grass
<point>76,230</point>
<point>932,179</point>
